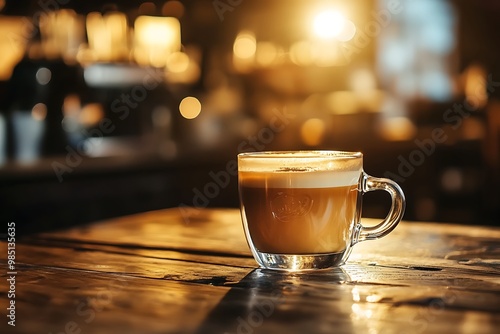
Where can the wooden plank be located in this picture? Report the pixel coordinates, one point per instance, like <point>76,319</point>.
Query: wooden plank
<point>211,231</point>
<point>53,300</point>
<point>180,269</point>
<point>54,249</point>
<point>417,240</point>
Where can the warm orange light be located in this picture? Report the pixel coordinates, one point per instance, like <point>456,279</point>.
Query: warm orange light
<point>178,62</point>
<point>342,102</point>
<point>475,86</point>
<point>91,114</point>
<point>182,67</point>
<point>328,54</point>
<point>245,45</point>
<point>190,107</point>
<point>397,129</point>
<point>71,105</point>
<point>303,53</point>
<point>362,80</point>
<point>116,24</point>
<point>39,111</point>
<point>328,24</point>
<point>61,33</point>
<point>107,35</point>
<point>266,53</point>
<point>155,39</point>
<point>12,48</point>
<point>313,131</point>
<point>244,50</point>
<point>347,32</point>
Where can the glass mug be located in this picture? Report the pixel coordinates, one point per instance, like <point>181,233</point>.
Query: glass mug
<point>301,210</point>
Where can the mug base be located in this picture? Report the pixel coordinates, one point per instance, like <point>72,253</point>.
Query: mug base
<point>287,262</point>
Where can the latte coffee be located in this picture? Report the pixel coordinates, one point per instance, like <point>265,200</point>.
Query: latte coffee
<point>300,212</point>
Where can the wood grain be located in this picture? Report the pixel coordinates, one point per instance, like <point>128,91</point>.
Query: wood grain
<point>159,272</point>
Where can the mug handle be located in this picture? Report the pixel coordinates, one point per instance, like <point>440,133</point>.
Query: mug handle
<point>371,183</point>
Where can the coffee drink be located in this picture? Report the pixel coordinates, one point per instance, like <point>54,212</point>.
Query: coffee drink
<point>300,212</point>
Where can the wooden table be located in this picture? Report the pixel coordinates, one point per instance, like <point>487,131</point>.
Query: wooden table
<point>190,271</point>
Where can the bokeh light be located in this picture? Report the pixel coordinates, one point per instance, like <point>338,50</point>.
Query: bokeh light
<point>156,38</point>
<point>190,107</point>
<point>312,131</point>
<point>342,102</point>
<point>147,8</point>
<point>43,75</point>
<point>245,45</point>
<point>302,53</point>
<point>397,128</point>
<point>39,111</point>
<point>347,32</point>
<point>173,8</point>
<point>328,24</point>
<point>91,114</point>
<point>178,62</point>
<point>266,53</point>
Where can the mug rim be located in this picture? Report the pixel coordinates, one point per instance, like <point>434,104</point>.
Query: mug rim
<point>302,154</point>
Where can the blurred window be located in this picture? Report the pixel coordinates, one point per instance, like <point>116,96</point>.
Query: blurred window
<point>416,51</point>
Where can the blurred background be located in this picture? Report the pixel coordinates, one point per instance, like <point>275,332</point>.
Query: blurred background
<point>113,108</point>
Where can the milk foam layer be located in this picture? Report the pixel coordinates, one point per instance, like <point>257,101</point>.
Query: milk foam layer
<point>300,169</point>
<point>299,179</point>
